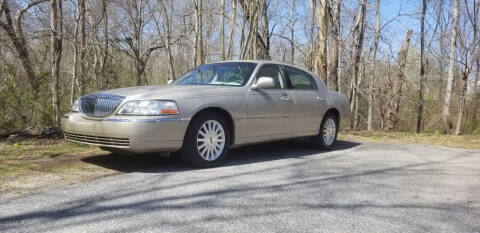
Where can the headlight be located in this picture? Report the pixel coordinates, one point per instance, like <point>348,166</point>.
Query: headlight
<point>149,108</point>
<point>76,106</point>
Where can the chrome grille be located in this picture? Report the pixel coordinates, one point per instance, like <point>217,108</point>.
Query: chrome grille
<point>99,105</point>
<point>98,140</point>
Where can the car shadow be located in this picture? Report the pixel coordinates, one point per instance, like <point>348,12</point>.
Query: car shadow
<point>157,163</point>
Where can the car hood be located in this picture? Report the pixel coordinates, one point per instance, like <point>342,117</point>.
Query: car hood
<point>167,91</point>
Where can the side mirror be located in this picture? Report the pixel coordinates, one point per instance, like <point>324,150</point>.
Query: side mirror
<point>169,81</point>
<point>264,83</point>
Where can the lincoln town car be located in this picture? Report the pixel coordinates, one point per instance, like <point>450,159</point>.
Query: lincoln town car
<point>209,110</point>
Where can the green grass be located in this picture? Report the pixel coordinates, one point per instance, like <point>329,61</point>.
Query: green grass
<point>31,157</point>
<point>462,141</point>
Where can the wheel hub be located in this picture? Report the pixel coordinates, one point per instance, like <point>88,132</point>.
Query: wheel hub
<point>210,140</point>
<point>329,132</point>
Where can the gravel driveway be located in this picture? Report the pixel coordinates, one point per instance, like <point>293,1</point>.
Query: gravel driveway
<point>279,187</point>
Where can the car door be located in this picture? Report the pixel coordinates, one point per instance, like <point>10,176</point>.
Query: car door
<point>309,102</point>
<point>269,110</point>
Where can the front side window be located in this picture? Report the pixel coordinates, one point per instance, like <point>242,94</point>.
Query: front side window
<point>275,72</point>
<point>223,74</point>
<point>300,79</point>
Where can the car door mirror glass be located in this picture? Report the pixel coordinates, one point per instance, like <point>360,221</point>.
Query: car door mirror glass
<point>264,83</point>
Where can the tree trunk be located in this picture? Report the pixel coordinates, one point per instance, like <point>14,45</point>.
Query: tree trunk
<point>198,33</point>
<point>322,41</point>
<point>441,59</point>
<point>232,29</point>
<point>451,69</point>
<point>292,33</point>
<point>333,64</point>
<point>75,55</point>
<point>311,47</point>
<point>393,104</point>
<point>83,42</point>
<point>373,52</point>
<point>358,36</point>
<point>222,29</point>
<point>422,69</point>
<point>476,87</point>
<point>166,37</point>
<point>461,106</point>
<point>56,34</point>
<point>262,41</point>
<point>476,101</point>
<point>105,81</point>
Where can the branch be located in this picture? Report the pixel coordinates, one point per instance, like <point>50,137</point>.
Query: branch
<point>1,8</point>
<point>18,17</point>
<point>150,49</point>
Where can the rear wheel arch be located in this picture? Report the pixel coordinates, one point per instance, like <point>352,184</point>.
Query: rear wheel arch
<point>334,112</point>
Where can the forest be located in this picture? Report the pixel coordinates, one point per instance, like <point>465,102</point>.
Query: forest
<point>404,65</point>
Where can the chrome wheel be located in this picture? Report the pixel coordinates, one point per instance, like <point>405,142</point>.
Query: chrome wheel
<point>210,140</point>
<point>329,131</point>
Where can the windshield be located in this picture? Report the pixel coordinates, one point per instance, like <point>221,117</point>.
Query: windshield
<point>224,74</point>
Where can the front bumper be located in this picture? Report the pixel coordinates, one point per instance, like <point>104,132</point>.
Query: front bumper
<point>133,134</point>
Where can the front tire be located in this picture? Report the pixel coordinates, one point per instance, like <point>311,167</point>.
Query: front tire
<point>328,133</point>
<point>206,142</point>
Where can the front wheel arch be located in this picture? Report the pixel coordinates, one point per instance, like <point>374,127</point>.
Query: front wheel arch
<point>216,110</point>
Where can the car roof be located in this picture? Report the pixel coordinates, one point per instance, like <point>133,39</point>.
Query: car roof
<point>253,61</point>
<point>260,62</point>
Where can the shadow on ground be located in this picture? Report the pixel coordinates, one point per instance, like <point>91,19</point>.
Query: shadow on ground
<point>155,163</point>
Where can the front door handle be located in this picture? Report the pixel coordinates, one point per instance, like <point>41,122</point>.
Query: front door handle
<point>318,98</point>
<point>285,98</point>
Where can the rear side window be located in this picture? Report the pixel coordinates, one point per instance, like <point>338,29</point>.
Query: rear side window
<point>300,80</point>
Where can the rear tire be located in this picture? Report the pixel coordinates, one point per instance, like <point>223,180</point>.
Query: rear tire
<point>327,136</point>
<point>206,142</point>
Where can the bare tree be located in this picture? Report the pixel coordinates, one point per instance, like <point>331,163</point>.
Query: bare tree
<point>358,36</point>
<point>393,102</point>
<point>257,44</point>
<point>199,56</point>
<point>166,37</point>
<point>311,47</point>
<point>451,70</point>
<point>469,59</point>
<point>132,43</point>
<point>334,16</point>
<point>292,32</point>
<point>263,39</point>
<point>105,80</point>
<point>476,85</point>
<point>222,29</point>
<point>80,21</point>
<point>373,53</point>
<point>322,41</point>
<point>14,30</point>
<point>441,52</point>
<point>232,29</point>
<point>56,37</point>
<point>422,68</point>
